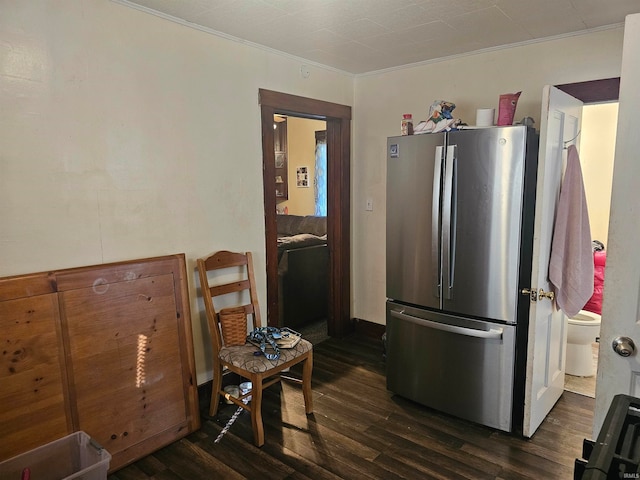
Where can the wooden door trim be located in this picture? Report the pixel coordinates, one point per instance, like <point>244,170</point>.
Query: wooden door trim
<point>338,121</point>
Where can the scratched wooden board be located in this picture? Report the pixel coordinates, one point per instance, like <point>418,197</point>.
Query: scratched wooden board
<point>33,397</point>
<point>125,364</point>
<point>130,355</point>
<point>106,349</point>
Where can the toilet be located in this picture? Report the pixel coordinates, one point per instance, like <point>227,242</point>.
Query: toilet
<point>582,331</point>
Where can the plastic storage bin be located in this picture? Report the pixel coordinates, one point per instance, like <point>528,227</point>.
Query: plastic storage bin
<point>75,456</point>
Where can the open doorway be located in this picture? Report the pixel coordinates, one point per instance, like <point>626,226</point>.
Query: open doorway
<point>597,151</point>
<point>338,145</point>
<point>301,224</point>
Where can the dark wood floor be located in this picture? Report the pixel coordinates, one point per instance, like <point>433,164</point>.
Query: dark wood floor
<point>360,430</point>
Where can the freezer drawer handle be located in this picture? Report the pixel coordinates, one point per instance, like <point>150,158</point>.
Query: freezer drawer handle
<point>493,333</point>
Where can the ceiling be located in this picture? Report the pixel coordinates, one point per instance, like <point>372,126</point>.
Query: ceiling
<point>360,36</point>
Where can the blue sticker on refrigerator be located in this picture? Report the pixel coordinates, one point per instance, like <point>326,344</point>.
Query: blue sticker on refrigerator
<point>393,150</point>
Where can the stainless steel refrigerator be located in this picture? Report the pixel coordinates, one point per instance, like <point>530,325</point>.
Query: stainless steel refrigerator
<point>460,211</point>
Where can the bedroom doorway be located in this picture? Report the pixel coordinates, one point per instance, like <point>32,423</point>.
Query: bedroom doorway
<point>301,225</point>
<point>338,146</point>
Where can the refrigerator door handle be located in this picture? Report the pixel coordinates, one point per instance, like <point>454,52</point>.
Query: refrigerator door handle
<point>435,219</point>
<point>492,333</point>
<point>448,221</point>
<point>453,221</point>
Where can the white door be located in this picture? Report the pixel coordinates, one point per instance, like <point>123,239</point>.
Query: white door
<point>621,298</point>
<point>560,127</point>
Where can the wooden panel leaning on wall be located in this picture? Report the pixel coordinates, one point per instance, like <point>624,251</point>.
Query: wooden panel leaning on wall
<point>106,349</point>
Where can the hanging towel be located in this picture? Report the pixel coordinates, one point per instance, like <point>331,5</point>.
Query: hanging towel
<point>571,262</point>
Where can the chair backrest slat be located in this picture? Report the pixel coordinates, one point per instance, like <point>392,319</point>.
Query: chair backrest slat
<point>225,259</point>
<point>228,260</point>
<point>240,286</point>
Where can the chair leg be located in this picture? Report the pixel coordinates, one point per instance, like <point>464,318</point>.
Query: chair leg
<point>307,369</point>
<point>215,388</point>
<point>256,410</point>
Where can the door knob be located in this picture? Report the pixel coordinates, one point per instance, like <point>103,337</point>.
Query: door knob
<point>624,346</point>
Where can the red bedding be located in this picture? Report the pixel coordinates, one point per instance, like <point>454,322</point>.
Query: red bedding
<point>595,302</point>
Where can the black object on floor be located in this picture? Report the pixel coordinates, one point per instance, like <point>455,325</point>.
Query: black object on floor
<point>616,452</point>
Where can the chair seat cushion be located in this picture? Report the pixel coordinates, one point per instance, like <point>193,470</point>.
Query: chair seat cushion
<point>243,356</point>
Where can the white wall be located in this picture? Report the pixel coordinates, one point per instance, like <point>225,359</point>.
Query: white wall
<point>597,150</point>
<point>123,135</point>
<point>471,82</point>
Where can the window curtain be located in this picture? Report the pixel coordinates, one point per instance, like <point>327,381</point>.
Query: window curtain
<point>320,180</point>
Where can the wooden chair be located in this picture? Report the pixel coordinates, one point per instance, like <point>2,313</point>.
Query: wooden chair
<point>241,359</point>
